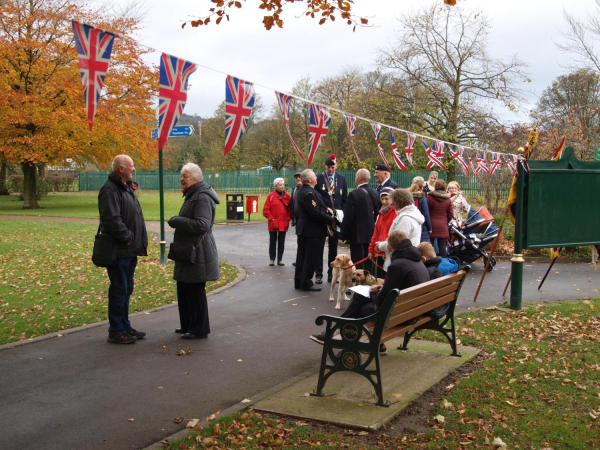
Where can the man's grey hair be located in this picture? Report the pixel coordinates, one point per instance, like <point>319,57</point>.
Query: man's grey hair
<point>305,175</point>
<point>363,174</point>
<point>119,161</point>
<point>401,198</point>
<point>194,170</point>
<point>276,181</point>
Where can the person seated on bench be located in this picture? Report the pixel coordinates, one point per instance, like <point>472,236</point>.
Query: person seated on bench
<point>406,270</point>
<point>433,262</point>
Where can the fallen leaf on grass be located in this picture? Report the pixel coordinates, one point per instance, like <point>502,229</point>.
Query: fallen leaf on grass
<point>244,416</point>
<point>512,404</point>
<point>446,404</point>
<point>440,419</point>
<point>362,433</point>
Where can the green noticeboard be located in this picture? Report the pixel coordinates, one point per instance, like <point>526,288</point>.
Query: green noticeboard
<point>561,203</point>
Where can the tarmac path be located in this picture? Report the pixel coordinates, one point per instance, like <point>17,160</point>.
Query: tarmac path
<point>78,391</point>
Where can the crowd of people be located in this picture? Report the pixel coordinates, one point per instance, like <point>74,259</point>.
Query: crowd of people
<point>398,234</point>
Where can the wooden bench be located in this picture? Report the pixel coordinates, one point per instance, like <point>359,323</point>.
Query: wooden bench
<point>353,344</point>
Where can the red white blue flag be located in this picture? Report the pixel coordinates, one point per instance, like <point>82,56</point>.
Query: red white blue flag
<point>471,165</point>
<point>376,130</point>
<point>410,147</point>
<point>396,152</point>
<point>511,162</point>
<point>482,164</point>
<point>239,100</point>
<point>435,154</point>
<point>459,158</point>
<point>284,101</point>
<point>350,125</point>
<point>172,93</point>
<point>94,47</point>
<point>495,163</point>
<point>319,125</point>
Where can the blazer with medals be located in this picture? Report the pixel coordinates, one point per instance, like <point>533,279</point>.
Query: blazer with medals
<point>311,213</point>
<point>340,192</point>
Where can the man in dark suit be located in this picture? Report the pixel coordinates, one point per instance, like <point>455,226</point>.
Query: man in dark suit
<point>312,218</point>
<point>359,218</point>
<point>382,175</point>
<point>294,192</point>
<point>334,191</point>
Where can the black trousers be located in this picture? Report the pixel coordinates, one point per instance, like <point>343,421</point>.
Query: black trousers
<point>358,252</point>
<point>276,240</point>
<point>332,253</point>
<point>310,250</point>
<point>360,306</point>
<point>440,246</point>
<point>380,260</point>
<point>193,308</point>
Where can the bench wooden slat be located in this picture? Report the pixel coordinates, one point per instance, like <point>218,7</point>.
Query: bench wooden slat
<point>391,333</point>
<point>429,286</point>
<point>397,319</point>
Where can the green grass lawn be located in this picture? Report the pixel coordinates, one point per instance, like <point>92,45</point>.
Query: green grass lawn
<point>537,386</point>
<point>84,205</point>
<point>48,282</point>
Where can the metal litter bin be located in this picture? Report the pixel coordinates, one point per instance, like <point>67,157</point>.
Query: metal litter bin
<point>235,208</point>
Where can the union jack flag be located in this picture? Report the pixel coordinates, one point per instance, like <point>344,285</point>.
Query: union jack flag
<point>239,100</point>
<point>471,165</point>
<point>319,125</point>
<point>172,93</point>
<point>376,130</point>
<point>482,164</point>
<point>410,147</point>
<point>284,101</point>
<point>458,157</point>
<point>495,163</point>
<point>396,152</point>
<point>435,154</point>
<point>350,125</point>
<point>94,47</point>
<point>511,162</point>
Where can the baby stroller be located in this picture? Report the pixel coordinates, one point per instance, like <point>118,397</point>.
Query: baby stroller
<point>466,243</point>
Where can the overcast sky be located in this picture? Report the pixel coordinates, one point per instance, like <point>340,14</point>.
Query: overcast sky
<point>280,57</point>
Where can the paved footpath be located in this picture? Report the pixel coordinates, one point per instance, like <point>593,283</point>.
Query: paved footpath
<point>78,391</point>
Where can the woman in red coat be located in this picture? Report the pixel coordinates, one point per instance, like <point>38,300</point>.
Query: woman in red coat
<point>441,213</point>
<point>385,217</point>
<point>278,213</point>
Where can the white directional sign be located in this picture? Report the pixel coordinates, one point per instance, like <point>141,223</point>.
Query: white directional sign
<point>184,130</point>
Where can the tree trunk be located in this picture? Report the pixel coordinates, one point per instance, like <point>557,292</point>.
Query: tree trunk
<point>29,186</point>
<point>3,172</point>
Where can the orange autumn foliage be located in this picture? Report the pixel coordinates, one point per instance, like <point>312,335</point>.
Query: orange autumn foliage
<point>42,113</point>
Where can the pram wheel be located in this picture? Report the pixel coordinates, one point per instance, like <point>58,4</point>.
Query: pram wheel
<point>492,263</point>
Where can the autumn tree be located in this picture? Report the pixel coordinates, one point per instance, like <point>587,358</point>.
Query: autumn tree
<point>441,57</point>
<point>571,107</point>
<point>42,115</point>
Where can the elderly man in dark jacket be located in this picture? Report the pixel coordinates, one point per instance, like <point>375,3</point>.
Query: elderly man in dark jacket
<point>195,252</point>
<point>121,217</point>
<point>406,270</point>
<point>359,219</point>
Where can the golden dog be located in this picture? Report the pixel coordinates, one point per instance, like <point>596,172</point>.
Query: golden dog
<point>364,277</point>
<point>341,269</point>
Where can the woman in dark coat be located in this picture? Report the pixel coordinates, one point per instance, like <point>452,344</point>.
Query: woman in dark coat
<point>200,262</point>
<point>441,213</point>
<point>416,189</point>
<point>277,211</point>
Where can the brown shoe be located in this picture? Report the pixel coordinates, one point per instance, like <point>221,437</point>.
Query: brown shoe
<point>137,334</point>
<point>120,338</point>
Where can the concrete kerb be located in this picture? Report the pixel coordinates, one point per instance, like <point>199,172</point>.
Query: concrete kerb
<point>242,274</point>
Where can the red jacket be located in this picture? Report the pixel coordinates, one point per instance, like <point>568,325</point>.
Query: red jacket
<point>441,213</point>
<point>382,229</point>
<point>277,211</point>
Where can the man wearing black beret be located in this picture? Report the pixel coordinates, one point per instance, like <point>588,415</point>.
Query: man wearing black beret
<point>382,175</point>
<point>334,191</point>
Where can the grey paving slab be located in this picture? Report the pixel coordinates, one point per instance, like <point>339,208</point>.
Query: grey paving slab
<point>349,399</point>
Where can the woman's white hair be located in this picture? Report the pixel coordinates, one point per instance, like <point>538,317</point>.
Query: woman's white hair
<point>194,170</point>
<point>276,181</point>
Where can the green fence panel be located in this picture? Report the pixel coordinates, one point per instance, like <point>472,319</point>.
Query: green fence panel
<point>252,181</point>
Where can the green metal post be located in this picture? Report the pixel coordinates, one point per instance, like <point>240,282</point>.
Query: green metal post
<point>163,258</point>
<point>516,287</point>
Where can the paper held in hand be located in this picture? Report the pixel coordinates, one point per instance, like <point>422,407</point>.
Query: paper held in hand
<point>362,290</point>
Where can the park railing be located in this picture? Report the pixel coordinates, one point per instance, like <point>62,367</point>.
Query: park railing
<point>252,181</point>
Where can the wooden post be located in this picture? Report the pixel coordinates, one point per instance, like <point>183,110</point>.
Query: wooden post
<point>549,269</point>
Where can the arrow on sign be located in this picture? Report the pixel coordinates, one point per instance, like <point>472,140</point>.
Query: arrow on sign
<point>184,130</point>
